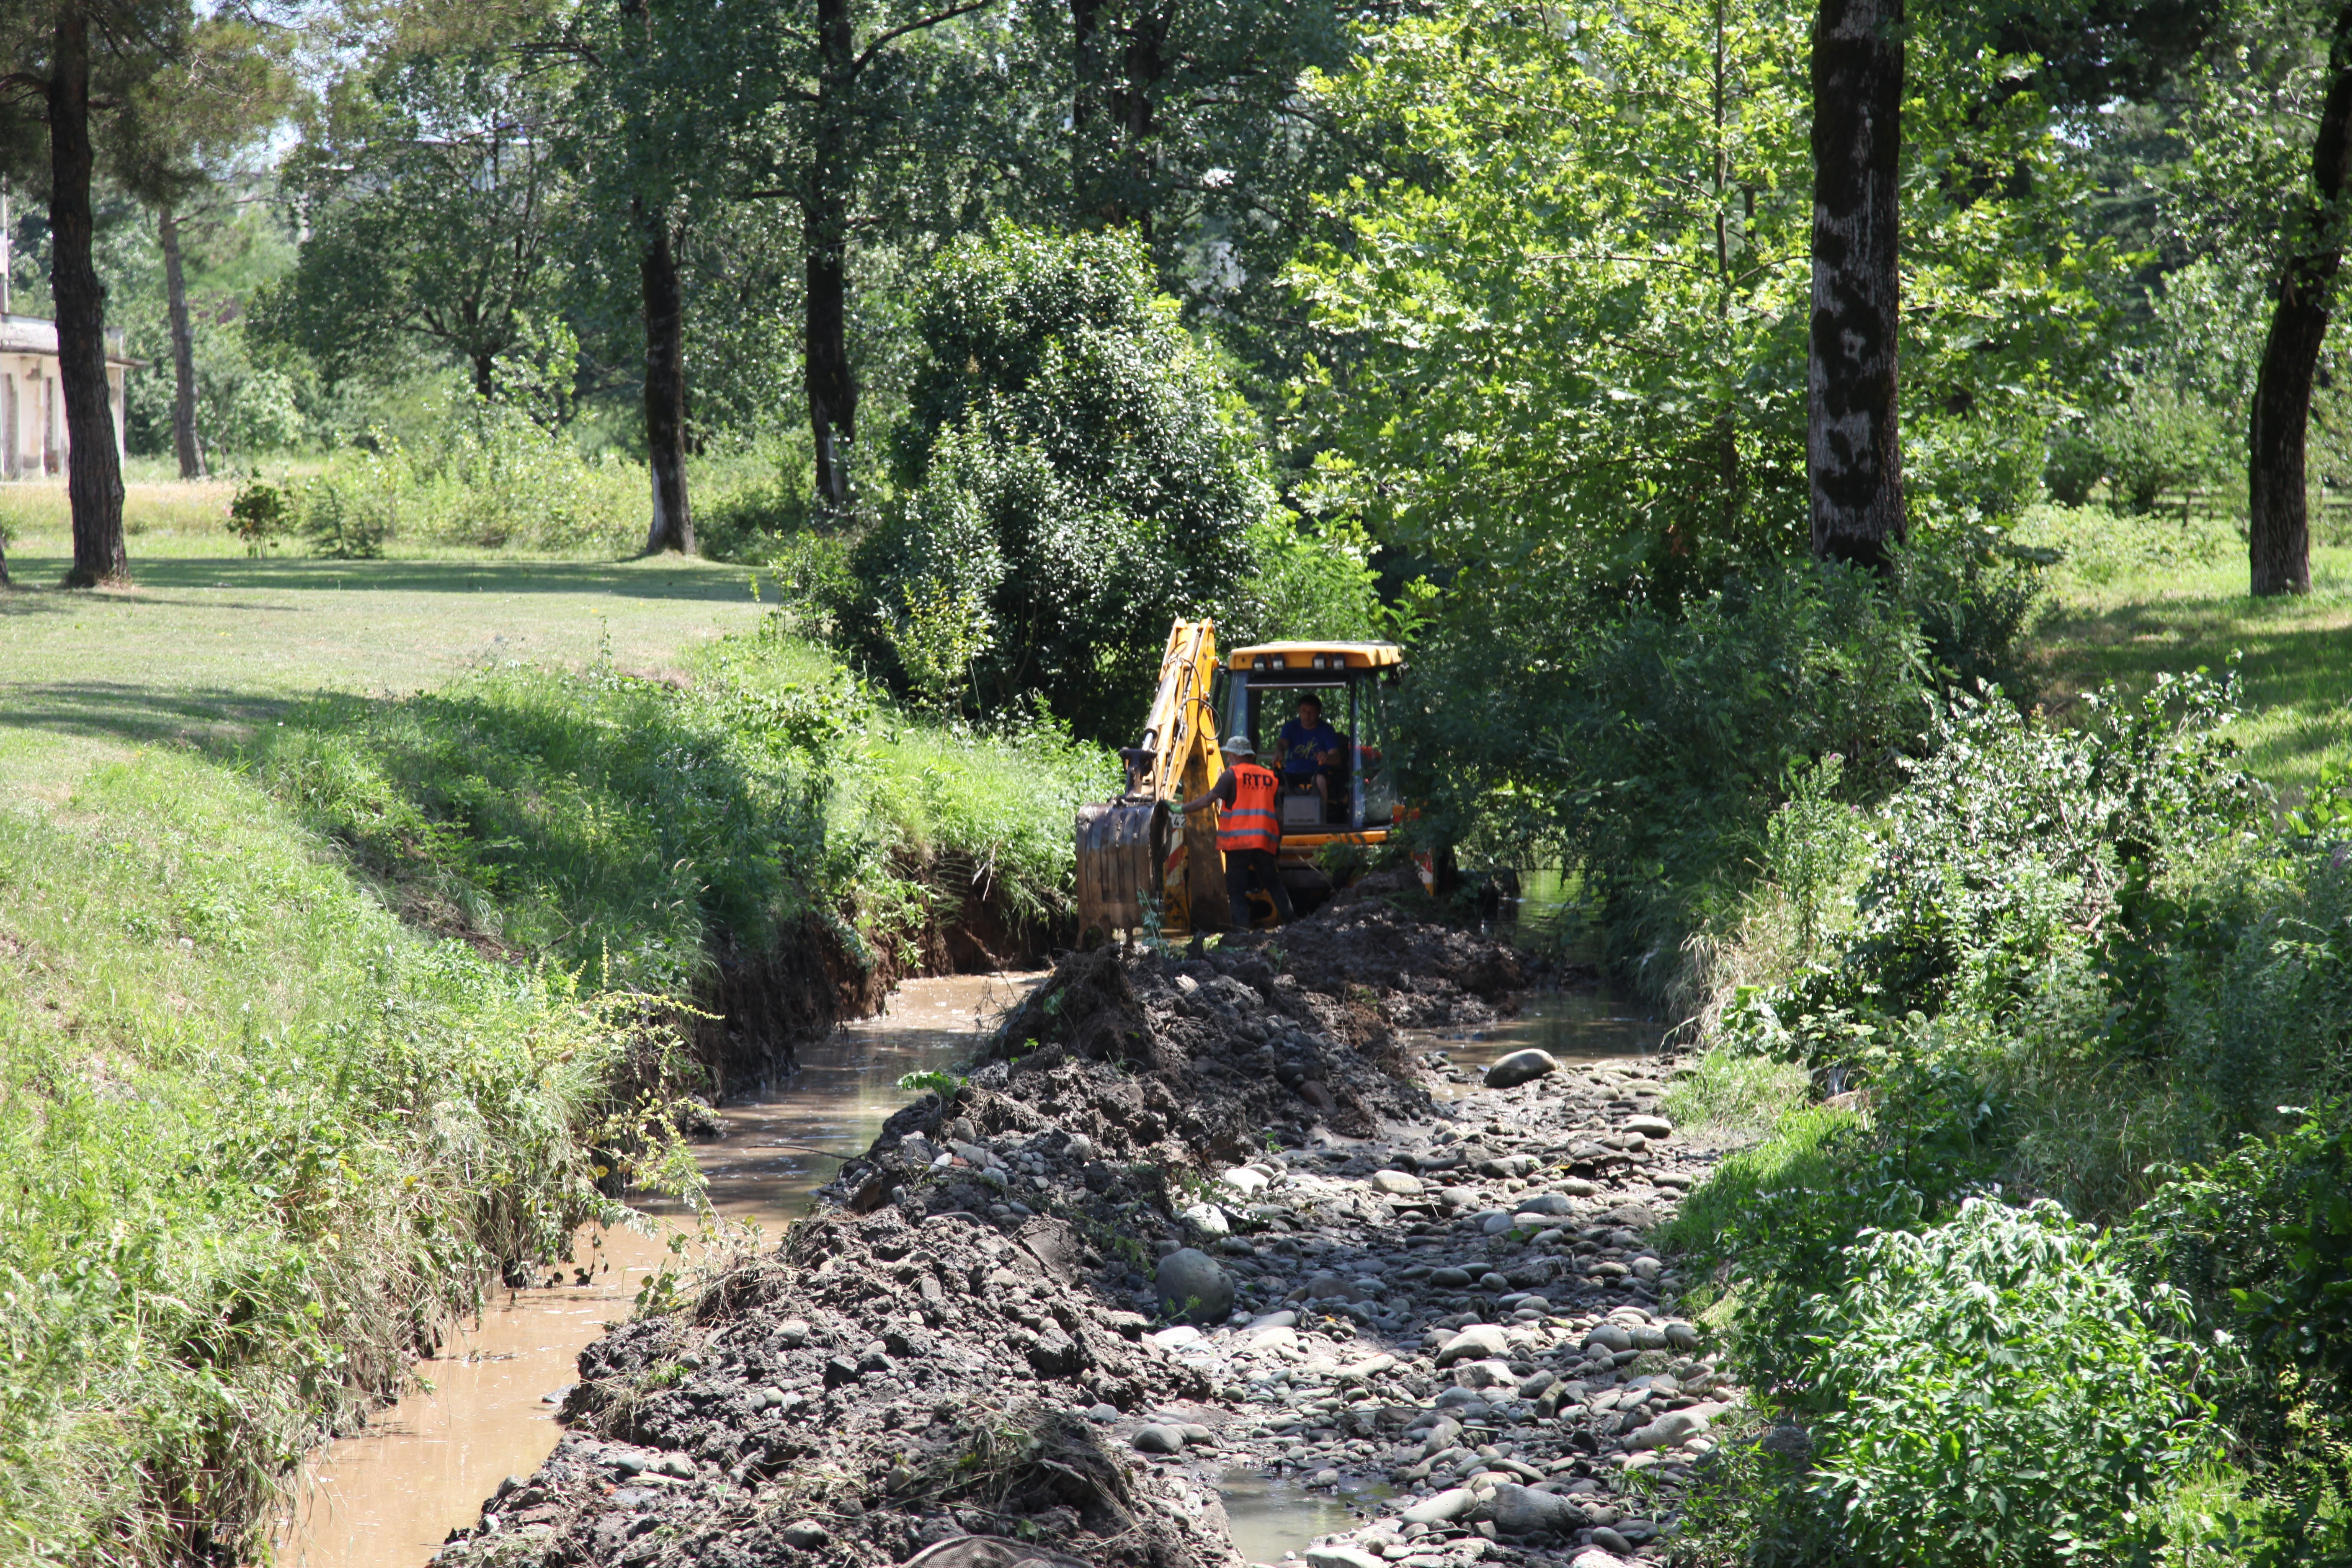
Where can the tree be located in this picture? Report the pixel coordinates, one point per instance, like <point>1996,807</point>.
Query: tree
<point>1854,456</point>
<point>193,116</point>
<point>70,62</point>
<point>434,205</point>
<point>2278,530</point>
<point>1077,474</point>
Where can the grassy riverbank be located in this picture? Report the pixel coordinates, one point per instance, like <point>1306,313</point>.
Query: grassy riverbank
<point>347,912</point>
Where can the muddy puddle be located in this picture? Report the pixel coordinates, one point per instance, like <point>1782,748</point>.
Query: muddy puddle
<point>1580,1027</point>
<point>386,1498</point>
<point>1272,1520</point>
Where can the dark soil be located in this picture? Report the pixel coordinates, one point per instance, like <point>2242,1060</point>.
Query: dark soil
<point>965,1355</point>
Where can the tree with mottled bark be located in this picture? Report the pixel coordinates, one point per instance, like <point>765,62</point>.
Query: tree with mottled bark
<point>2278,527</point>
<point>1853,458</point>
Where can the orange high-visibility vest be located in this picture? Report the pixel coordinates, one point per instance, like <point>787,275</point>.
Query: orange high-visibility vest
<point>1249,823</point>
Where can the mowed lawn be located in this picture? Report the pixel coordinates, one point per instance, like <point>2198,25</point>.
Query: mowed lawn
<point>206,644</point>
<point>2294,670</point>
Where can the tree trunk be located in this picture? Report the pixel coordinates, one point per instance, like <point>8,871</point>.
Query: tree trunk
<point>94,473</point>
<point>183,350</point>
<point>1851,453</point>
<point>665,304</point>
<point>824,240</point>
<point>2278,528</point>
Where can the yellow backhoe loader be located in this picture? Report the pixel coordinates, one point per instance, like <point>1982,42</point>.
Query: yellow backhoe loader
<point>1141,864</point>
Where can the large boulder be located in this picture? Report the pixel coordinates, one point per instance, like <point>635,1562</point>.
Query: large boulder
<point>1521,1067</point>
<point>1480,1342</point>
<point>1522,1511</point>
<point>1193,1285</point>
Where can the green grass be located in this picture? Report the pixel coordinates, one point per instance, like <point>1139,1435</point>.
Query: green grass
<point>213,649</point>
<point>258,1142</point>
<point>2143,596</point>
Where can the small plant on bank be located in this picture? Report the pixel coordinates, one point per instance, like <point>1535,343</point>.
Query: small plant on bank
<point>260,515</point>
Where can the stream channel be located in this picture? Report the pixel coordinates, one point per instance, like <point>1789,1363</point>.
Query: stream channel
<point>484,1409</point>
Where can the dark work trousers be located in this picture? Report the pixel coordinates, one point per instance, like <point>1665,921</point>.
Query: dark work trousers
<point>1244,868</point>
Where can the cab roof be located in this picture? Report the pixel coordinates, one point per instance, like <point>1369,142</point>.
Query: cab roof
<point>1313,656</point>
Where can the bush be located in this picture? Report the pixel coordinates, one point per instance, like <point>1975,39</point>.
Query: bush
<point>1647,749</point>
<point>1997,1390</point>
<point>2262,1242</point>
<point>1077,473</point>
<point>486,477</point>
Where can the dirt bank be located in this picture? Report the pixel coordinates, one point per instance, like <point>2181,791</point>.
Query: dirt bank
<point>975,1355</point>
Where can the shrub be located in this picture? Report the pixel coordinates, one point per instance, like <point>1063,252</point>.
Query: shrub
<point>485,476</point>
<point>1075,467</point>
<point>2262,1243</point>
<point>1644,749</point>
<point>1997,1390</point>
<point>260,515</point>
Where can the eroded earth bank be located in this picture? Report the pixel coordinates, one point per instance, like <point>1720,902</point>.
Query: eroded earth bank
<point>1192,1216</point>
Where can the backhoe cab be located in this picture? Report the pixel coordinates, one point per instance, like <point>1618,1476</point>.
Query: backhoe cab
<point>1141,866</point>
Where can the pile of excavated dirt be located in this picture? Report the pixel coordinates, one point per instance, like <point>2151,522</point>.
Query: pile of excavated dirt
<point>1178,1224</point>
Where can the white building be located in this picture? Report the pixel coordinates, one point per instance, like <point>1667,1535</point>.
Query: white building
<point>33,405</point>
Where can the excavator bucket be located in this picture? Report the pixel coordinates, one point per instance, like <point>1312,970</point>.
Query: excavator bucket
<point>1121,850</point>
<point>1136,867</point>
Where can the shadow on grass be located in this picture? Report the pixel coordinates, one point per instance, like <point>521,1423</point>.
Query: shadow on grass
<point>2295,651</point>
<point>628,580</point>
<point>119,710</point>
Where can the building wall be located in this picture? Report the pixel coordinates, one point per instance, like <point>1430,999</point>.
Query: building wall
<point>33,440</point>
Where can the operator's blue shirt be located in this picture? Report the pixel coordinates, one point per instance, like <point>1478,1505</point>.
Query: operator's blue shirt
<point>1298,746</point>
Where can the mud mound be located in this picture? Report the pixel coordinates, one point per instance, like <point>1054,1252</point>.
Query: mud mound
<point>876,1386</point>
<point>1370,945</point>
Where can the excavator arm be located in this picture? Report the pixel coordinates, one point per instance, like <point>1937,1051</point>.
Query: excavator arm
<point>1136,854</point>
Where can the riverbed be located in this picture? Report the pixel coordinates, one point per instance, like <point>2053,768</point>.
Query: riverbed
<point>484,1409</point>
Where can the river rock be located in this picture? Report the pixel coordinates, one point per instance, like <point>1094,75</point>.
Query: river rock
<point>1451,1503</point>
<point>1549,1204</point>
<point>1674,1426</point>
<point>1611,1337</point>
<point>1209,1220</point>
<point>1245,1181</point>
<point>1395,1183</point>
<point>1522,1511</point>
<point>1476,1343</point>
<point>1158,1438</point>
<point>1191,1284</point>
<point>1597,1557</point>
<point>1449,1279</point>
<point>1649,1126</point>
<point>1342,1557</point>
<point>1521,1067</point>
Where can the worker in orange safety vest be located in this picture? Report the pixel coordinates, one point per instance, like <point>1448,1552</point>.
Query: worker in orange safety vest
<point>1246,830</point>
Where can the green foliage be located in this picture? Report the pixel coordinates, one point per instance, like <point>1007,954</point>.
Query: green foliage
<point>1647,748</point>
<point>433,196</point>
<point>1077,474</point>
<point>1307,583</point>
<point>1560,316</point>
<point>259,1141</point>
<point>480,474</point>
<point>260,515</point>
<point>1997,1390</point>
<point>2262,1242</point>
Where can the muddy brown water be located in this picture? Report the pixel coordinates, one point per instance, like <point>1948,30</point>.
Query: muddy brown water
<point>387,1497</point>
<point>1582,1028</point>
<point>484,1409</point>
